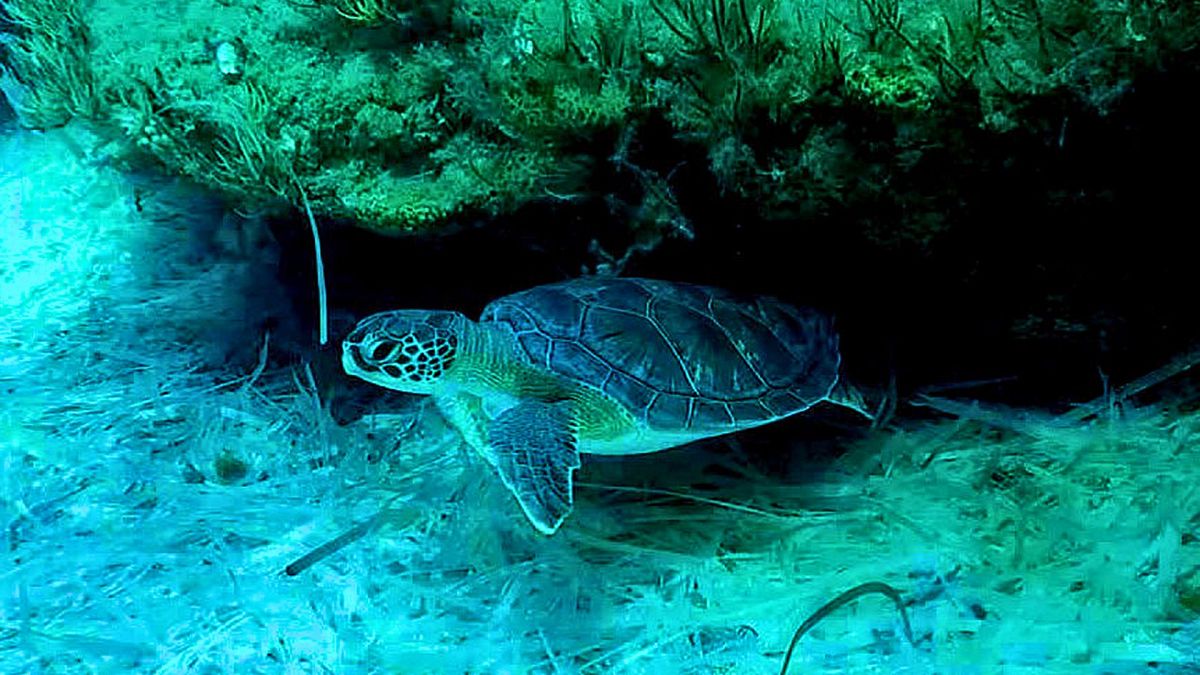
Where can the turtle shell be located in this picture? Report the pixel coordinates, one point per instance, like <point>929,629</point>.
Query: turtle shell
<point>679,357</point>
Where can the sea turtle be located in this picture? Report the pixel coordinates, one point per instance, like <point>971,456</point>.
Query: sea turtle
<point>601,365</point>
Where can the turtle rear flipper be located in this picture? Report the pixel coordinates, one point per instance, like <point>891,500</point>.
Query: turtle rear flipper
<point>534,450</point>
<point>848,396</point>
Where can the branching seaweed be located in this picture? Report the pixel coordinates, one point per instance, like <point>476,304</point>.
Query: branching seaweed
<point>366,12</point>
<point>885,18</point>
<point>51,56</point>
<point>243,152</point>
<point>727,49</point>
<point>738,32</point>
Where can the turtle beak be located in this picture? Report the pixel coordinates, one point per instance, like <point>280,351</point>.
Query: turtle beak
<point>352,360</point>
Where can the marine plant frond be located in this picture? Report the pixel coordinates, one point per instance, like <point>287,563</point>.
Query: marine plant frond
<point>366,12</point>
<point>50,58</point>
<point>736,31</point>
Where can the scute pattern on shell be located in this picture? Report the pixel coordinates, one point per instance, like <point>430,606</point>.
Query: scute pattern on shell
<point>678,356</point>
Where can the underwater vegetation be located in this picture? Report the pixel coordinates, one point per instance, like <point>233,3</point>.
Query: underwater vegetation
<point>178,498</point>
<point>187,489</point>
<point>407,116</point>
<point>52,52</point>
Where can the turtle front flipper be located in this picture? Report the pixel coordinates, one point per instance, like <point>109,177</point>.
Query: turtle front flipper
<point>534,449</point>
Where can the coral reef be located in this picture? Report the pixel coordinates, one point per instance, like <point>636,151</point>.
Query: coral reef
<point>406,116</point>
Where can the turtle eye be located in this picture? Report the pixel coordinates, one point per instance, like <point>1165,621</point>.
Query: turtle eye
<point>381,351</point>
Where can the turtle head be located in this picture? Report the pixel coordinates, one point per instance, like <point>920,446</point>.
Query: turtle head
<point>407,350</point>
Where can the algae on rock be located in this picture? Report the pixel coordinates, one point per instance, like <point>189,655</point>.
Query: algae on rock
<point>406,116</point>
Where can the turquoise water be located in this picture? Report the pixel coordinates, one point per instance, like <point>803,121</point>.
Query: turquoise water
<point>181,497</point>
<point>990,204</point>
